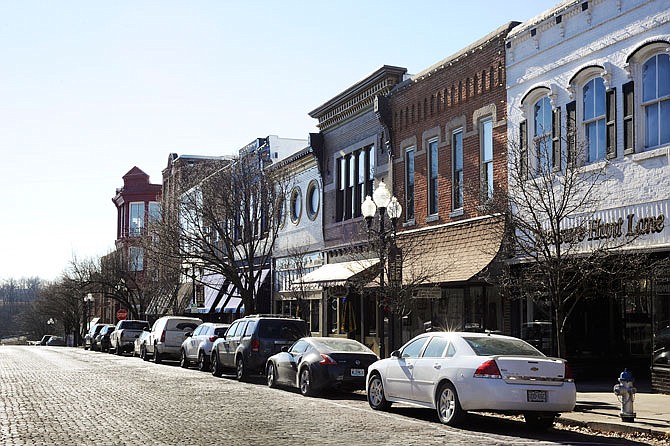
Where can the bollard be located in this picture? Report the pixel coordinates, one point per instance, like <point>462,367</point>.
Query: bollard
<point>625,391</point>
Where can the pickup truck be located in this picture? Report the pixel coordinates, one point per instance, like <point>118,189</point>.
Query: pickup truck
<point>122,339</point>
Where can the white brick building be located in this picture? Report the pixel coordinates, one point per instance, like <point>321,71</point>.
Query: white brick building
<point>602,69</point>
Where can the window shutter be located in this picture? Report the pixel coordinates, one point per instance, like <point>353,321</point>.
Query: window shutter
<point>628,118</point>
<point>523,149</point>
<point>571,111</point>
<point>556,138</point>
<point>610,117</point>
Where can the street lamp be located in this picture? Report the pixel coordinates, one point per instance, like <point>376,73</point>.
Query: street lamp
<point>88,300</point>
<point>384,205</point>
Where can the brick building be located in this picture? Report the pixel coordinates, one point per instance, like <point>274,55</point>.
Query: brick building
<point>449,136</point>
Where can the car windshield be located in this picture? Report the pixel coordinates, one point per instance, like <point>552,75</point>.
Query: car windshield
<point>284,330</point>
<point>342,345</point>
<point>134,325</point>
<point>489,346</point>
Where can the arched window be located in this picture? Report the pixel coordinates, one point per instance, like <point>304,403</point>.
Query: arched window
<point>296,205</point>
<point>594,119</point>
<point>542,133</point>
<point>313,199</point>
<point>656,100</point>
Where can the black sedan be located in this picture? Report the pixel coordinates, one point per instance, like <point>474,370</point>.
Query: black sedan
<point>316,363</point>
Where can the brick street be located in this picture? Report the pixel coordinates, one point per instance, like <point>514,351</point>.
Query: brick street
<point>68,396</point>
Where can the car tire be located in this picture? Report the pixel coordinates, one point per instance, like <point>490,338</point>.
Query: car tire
<point>376,397</point>
<point>118,351</point>
<point>202,361</point>
<point>183,361</point>
<point>143,353</point>
<point>539,421</point>
<point>448,406</point>
<point>271,375</point>
<point>157,356</point>
<point>85,348</point>
<point>241,369</point>
<point>217,370</point>
<point>305,382</point>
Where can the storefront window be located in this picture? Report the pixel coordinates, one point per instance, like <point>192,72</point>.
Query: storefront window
<point>661,335</point>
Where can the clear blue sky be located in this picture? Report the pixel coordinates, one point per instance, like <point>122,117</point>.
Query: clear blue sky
<point>90,89</point>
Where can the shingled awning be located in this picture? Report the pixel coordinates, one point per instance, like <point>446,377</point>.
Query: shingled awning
<point>453,252</point>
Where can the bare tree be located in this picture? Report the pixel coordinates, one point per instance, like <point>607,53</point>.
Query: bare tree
<point>222,221</point>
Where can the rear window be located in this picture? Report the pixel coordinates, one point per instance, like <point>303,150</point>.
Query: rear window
<point>220,331</point>
<point>283,330</point>
<point>181,325</point>
<point>134,325</point>
<point>343,345</point>
<point>488,346</point>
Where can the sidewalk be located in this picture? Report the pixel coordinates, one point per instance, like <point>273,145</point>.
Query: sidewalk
<point>598,409</point>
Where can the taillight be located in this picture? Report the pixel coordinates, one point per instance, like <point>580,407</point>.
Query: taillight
<point>163,336</point>
<point>325,359</point>
<point>213,338</point>
<point>488,370</point>
<point>255,345</point>
<point>567,375</point>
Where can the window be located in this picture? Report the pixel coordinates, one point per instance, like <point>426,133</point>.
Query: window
<point>542,134</point>
<point>656,100</point>
<point>154,211</point>
<point>413,349</point>
<point>594,119</point>
<point>409,183</point>
<point>457,180</point>
<point>313,199</point>
<point>487,158</point>
<point>296,204</point>
<point>136,219</point>
<point>435,348</point>
<point>355,177</point>
<point>432,181</point>
<point>136,261</point>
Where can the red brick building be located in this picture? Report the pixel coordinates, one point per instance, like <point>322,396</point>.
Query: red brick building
<point>449,139</point>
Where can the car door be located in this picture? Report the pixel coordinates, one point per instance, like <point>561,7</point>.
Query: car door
<point>288,366</point>
<point>428,368</point>
<point>192,343</point>
<point>231,343</point>
<point>398,381</point>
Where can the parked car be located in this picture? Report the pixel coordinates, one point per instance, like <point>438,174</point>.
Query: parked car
<point>56,341</point>
<point>139,348</point>
<point>198,345</point>
<point>102,338</point>
<point>313,364</point>
<point>459,372</point>
<point>167,335</point>
<point>251,340</point>
<point>90,337</point>
<point>122,338</point>
<point>44,339</point>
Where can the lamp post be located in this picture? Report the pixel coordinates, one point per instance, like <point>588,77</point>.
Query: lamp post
<point>88,300</point>
<point>383,205</point>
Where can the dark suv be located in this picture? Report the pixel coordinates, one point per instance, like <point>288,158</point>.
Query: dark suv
<point>251,340</point>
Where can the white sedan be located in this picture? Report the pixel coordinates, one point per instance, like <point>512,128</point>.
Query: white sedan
<point>459,372</point>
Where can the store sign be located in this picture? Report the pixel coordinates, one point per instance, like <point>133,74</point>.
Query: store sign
<point>428,293</point>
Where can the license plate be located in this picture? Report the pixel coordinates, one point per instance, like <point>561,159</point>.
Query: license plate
<point>537,396</point>
<point>357,372</point>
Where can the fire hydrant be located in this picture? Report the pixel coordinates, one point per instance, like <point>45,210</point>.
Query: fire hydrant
<point>625,391</point>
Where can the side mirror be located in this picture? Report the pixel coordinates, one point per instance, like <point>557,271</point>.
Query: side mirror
<point>395,354</point>
<point>284,348</point>
<point>188,334</point>
<point>146,329</point>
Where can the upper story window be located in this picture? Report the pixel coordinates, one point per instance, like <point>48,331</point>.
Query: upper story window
<point>486,141</point>
<point>433,177</point>
<point>154,211</point>
<point>354,177</point>
<point>542,134</point>
<point>594,119</point>
<point>656,100</point>
<point>136,260</point>
<point>457,179</point>
<point>136,223</point>
<point>313,199</point>
<point>409,183</point>
<point>296,204</point>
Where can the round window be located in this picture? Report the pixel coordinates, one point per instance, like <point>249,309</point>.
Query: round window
<point>313,199</point>
<point>281,211</point>
<point>296,204</point>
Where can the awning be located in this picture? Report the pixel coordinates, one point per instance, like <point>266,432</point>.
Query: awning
<point>332,274</point>
<point>454,252</point>
<point>215,286</point>
<point>232,302</point>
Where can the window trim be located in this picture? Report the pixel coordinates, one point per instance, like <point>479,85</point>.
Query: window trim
<point>410,209</point>
<point>433,188</point>
<point>296,197</point>
<point>313,188</point>
<point>456,185</point>
<point>486,193</point>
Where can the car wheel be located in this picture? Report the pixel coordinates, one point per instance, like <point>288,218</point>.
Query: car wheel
<point>118,351</point>
<point>376,397</point>
<point>202,361</point>
<point>241,369</point>
<point>306,382</point>
<point>183,362</point>
<point>539,421</point>
<point>448,407</point>
<point>85,347</point>
<point>217,370</point>
<point>271,375</point>
<point>157,356</point>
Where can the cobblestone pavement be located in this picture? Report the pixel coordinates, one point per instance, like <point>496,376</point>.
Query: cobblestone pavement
<point>68,396</point>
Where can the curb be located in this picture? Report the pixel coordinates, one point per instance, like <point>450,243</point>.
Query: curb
<point>614,427</point>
